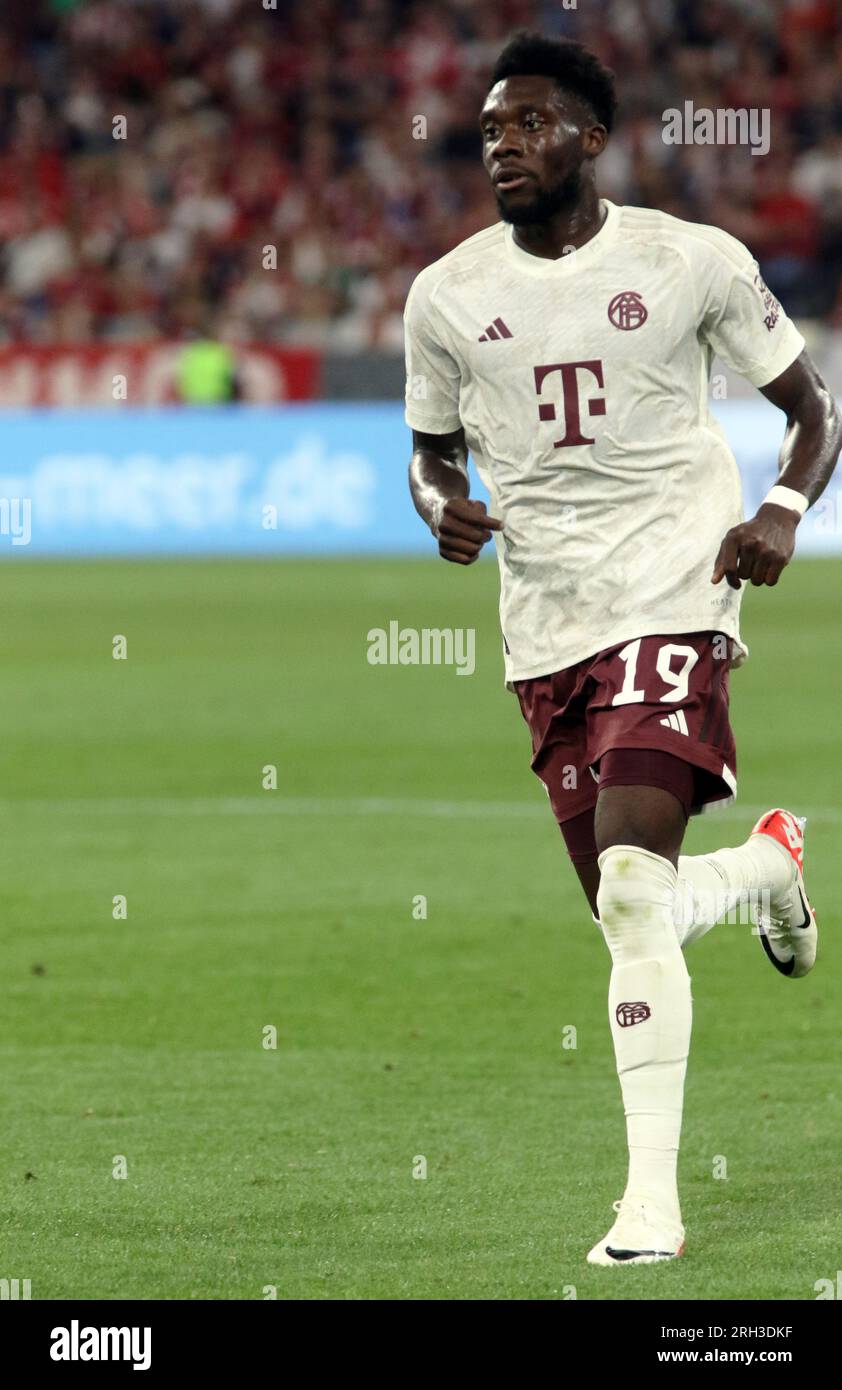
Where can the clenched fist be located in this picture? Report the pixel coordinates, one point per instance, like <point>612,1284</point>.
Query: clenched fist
<point>462,529</point>
<point>759,549</point>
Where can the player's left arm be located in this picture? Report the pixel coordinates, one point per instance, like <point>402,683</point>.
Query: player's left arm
<point>758,550</point>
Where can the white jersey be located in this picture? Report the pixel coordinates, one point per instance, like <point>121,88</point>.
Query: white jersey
<point>582,387</point>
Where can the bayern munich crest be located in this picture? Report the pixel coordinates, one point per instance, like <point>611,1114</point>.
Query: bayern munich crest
<point>631,1013</point>
<point>627,310</point>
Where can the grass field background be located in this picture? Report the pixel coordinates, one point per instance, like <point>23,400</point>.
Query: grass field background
<point>397,1037</point>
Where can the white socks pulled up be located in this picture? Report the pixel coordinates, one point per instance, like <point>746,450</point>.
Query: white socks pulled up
<point>650,1014</point>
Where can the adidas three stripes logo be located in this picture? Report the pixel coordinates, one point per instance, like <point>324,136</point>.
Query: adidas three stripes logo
<point>497,329</point>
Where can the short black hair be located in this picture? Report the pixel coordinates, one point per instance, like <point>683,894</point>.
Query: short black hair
<point>574,67</point>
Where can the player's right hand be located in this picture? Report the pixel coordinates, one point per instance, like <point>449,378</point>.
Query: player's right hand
<point>463,528</point>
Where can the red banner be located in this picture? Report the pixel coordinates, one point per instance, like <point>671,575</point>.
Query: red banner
<point>119,374</point>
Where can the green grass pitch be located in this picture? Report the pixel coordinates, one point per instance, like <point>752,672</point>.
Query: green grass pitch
<point>397,1039</point>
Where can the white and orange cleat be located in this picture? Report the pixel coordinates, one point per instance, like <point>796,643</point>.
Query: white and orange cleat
<point>788,934</point>
<point>641,1235</point>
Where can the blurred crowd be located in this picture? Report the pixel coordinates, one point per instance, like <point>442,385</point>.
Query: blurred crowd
<point>152,150</point>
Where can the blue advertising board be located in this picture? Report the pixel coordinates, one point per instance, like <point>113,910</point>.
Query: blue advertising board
<point>293,479</point>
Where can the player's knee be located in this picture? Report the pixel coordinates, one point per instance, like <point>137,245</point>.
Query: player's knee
<point>635,897</point>
<point>618,890</point>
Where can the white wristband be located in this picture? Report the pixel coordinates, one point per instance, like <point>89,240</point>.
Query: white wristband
<point>787,497</point>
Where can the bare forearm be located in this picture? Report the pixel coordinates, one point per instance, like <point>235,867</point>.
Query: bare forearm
<point>759,549</point>
<point>438,481</point>
<point>813,428</point>
<point>435,477</point>
<point>811,447</point>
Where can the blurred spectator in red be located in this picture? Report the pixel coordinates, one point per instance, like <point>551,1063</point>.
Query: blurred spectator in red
<point>289,170</point>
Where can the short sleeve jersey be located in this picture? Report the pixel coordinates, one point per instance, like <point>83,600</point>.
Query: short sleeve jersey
<point>582,386</point>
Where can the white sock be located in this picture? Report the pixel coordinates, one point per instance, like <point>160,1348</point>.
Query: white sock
<point>712,885</point>
<point>650,1014</point>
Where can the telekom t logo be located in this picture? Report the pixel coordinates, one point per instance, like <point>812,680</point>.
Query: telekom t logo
<point>570,397</point>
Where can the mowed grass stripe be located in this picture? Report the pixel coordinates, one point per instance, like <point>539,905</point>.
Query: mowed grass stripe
<point>397,1036</point>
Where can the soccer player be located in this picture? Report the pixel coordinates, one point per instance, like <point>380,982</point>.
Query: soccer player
<point>568,347</point>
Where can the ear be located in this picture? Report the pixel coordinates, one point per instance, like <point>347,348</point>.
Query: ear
<point>594,140</point>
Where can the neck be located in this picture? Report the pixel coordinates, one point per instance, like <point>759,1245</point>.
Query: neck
<point>564,230</point>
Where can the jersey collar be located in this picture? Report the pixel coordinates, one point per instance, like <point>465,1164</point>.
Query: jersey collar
<point>575,261</point>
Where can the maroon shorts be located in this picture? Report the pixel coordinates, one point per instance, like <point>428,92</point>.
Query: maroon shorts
<point>668,695</point>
